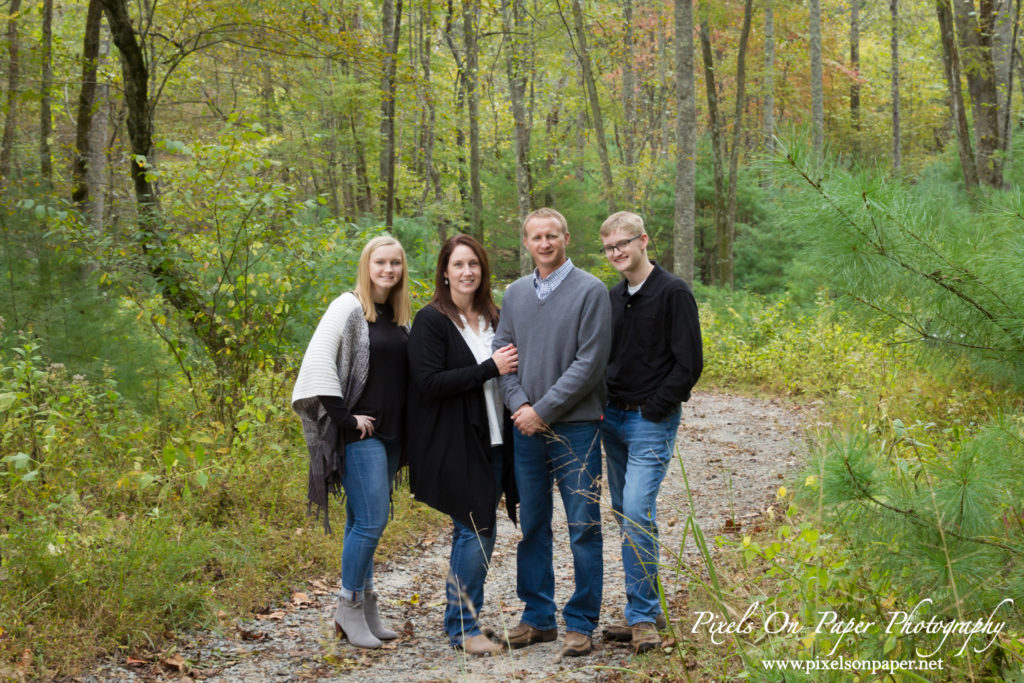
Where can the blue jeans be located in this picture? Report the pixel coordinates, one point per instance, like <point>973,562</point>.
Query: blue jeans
<point>370,467</point>
<point>570,458</point>
<point>638,453</point>
<point>471,554</point>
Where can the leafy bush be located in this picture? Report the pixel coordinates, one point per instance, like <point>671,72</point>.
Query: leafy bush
<point>119,527</point>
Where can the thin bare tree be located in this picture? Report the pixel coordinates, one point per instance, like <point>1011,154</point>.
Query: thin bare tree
<point>686,144</point>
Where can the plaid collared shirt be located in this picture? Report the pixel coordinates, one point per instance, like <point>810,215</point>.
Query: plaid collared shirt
<point>544,286</point>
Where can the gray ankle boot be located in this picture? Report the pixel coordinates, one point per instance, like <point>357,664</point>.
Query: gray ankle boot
<point>373,617</point>
<point>350,623</point>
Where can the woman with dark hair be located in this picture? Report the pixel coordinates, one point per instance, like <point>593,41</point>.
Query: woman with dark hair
<point>460,450</point>
<point>350,395</point>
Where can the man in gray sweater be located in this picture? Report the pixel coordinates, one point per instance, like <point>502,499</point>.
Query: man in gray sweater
<point>559,318</point>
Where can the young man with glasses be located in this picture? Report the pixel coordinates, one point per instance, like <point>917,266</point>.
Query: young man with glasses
<point>656,359</point>
<point>560,321</point>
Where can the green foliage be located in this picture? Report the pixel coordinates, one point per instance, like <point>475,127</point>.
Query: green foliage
<point>912,493</point>
<point>918,257</point>
<point>816,352</point>
<point>54,294</point>
<point>118,527</point>
<point>946,503</point>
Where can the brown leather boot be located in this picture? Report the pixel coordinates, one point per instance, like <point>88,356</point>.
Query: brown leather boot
<point>576,644</point>
<point>645,637</point>
<point>480,645</point>
<point>524,634</point>
<point>623,633</point>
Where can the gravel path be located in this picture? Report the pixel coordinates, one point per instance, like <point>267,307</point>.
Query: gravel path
<point>736,451</point>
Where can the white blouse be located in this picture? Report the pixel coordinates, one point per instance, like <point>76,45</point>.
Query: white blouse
<point>480,345</point>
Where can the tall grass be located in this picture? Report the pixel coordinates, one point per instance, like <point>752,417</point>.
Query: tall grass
<point>910,493</point>
<point>119,529</point>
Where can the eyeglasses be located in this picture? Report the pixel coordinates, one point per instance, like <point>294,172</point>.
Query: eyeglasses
<point>609,249</point>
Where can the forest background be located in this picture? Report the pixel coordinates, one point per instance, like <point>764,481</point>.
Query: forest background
<point>186,185</point>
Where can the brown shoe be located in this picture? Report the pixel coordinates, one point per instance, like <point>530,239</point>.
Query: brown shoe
<point>480,645</point>
<point>524,634</point>
<point>645,637</point>
<point>624,632</point>
<point>576,644</point>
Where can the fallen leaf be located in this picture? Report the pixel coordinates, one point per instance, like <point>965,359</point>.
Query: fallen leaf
<point>273,616</point>
<point>301,599</point>
<point>245,634</point>
<point>132,661</point>
<point>174,663</point>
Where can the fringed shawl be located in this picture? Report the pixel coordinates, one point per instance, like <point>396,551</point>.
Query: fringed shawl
<point>336,363</point>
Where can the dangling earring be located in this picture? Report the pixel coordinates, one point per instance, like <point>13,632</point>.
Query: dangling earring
<point>446,281</point>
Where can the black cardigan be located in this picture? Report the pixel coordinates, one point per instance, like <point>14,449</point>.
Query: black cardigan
<point>449,441</point>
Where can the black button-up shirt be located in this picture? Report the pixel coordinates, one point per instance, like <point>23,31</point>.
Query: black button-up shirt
<point>657,353</point>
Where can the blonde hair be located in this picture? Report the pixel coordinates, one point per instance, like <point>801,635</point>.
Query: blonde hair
<point>545,213</point>
<point>626,221</point>
<point>398,295</point>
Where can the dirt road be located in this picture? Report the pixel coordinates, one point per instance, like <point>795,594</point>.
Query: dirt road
<point>736,452</point>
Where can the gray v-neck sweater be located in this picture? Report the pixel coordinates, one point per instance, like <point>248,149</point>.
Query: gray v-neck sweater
<point>563,341</point>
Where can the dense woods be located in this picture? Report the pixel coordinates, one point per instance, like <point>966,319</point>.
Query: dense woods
<point>184,185</point>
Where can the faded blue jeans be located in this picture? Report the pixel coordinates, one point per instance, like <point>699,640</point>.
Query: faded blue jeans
<point>370,468</point>
<point>638,453</point>
<point>471,555</point>
<point>569,458</point>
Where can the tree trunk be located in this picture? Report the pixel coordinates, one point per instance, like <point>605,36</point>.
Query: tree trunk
<point>1002,51</point>
<point>512,13</point>
<point>460,105</point>
<point>817,94</point>
<point>583,53</point>
<point>664,89</point>
<point>364,192</point>
<point>725,251</point>
<point>45,87</point>
<point>268,101</point>
<point>391,14</point>
<point>974,28</point>
<point>951,67</point>
<point>629,107</point>
<point>894,49</point>
<point>1011,61</point>
<point>769,75</point>
<point>13,69</point>
<point>686,144</point>
<point>176,287</point>
<point>711,86</point>
<point>86,105</point>
<point>470,19</point>
<point>433,179</point>
<point>855,66</point>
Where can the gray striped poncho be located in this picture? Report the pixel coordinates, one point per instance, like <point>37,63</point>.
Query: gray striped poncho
<point>335,364</point>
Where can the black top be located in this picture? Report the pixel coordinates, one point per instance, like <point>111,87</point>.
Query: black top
<point>450,440</point>
<point>387,381</point>
<point>657,354</point>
